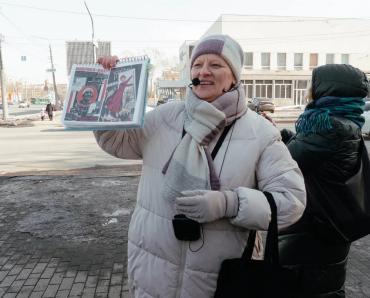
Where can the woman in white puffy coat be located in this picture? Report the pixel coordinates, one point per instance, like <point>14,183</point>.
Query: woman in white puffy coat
<point>223,193</point>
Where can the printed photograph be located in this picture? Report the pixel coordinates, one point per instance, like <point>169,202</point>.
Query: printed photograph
<point>85,97</point>
<point>120,96</point>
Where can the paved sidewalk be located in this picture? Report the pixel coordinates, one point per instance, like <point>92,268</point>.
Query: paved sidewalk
<point>64,234</point>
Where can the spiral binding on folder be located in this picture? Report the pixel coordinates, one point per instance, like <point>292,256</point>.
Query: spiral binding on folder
<point>101,98</point>
<point>134,59</point>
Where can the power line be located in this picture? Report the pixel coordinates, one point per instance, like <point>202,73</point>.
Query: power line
<point>291,20</point>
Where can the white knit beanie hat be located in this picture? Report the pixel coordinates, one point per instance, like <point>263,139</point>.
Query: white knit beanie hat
<point>224,46</point>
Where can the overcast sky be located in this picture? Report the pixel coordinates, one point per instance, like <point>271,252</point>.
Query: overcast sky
<point>28,26</point>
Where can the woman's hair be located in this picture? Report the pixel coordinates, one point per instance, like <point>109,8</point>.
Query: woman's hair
<point>308,95</point>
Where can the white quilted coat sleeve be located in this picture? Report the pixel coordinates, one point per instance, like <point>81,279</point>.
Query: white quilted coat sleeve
<point>129,143</point>
<point>278,174</point>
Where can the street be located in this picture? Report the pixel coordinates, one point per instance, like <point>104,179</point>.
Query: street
<point>47,146</point>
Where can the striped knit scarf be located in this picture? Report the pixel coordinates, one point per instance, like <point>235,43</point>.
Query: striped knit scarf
<point>190,165</point>
<point>316,117</point>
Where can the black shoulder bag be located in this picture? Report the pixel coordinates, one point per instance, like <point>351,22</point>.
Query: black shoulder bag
<point>247,278</point>
<point>345,206</point>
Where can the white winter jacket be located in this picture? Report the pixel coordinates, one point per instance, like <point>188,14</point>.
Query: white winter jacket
<point>254,160</point>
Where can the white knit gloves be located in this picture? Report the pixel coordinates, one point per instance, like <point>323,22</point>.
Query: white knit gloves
<point>207,205</point>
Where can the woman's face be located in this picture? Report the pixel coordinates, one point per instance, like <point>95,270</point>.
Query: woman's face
<point>214,74</point>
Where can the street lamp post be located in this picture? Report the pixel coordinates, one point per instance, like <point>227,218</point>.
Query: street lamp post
<point>92,35</point>
<point>3,92</point>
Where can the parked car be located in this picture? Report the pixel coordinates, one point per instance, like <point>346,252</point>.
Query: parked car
<point>24,104</point>
<point>366,126</point>
<point>367,104</point>
<point>259,104</point>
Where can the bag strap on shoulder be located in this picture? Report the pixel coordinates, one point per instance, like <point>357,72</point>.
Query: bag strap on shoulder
<point>220,139</point>
<point>272,249</point>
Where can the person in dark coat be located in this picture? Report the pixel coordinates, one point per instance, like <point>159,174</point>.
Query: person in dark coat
<point>49,109</point>
<point>326,148</point>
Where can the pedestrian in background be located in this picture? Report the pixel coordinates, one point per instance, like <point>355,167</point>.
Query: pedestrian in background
<point>326,148</point>
<point>42,114</point>
<point>219,192</point>
<point>50,110</point>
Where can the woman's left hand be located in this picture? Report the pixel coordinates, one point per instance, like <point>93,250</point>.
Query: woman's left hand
<point>207,205</point>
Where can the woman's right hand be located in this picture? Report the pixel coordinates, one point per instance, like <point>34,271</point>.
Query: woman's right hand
<point>108,61</point>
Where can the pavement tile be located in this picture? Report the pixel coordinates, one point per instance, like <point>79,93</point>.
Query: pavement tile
<point>25,292</point>
<point>24,274</point>
<point>57,278</point>
<point>42,284</point>
<point>91,281</point>
<point>8,266</point>
<point>36,294</point>
<point>48,273</point>
<point>16,286</point>
<point>3,274</point>
<point>31,264</point>
<point>81,276</point>
<point>66,284</point>
<point>7,281</point>
<point>51,291</point>
<point>16,270</point>
<point>23,260</point>
<point>40,267</point>
<point>103,285</point>
<point>71,272</point>
<point>77,289</point>
<point>3,260</point>
<point>35,275</point>
<point>88,293</point>
<point>116,279</point>
<point>62,294</point>
<point>31,281</point>
<point>114,292</point>
<point>105,273</point>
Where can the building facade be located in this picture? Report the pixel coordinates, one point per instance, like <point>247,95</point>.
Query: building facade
<point>280,52</point>
<point>81,52</point>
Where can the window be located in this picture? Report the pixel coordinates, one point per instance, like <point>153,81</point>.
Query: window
<point>281,61</point>
<point>300,90</point>
<point>264,88</point>
<point>329,58</point>
<point>283,89</point>
<point>248,60</point>
<point>345,58</point>
<point>298,61</point>
<point>190,51</point>
<point>314,58</point>
<point>265,60</point>
<point>248,88</point>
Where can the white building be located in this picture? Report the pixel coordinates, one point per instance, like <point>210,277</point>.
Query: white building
<point>280,52</point>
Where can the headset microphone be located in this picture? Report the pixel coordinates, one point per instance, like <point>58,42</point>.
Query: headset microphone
<point>194,82</point>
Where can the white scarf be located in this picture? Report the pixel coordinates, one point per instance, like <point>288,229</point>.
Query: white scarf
<point>190,165</point>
